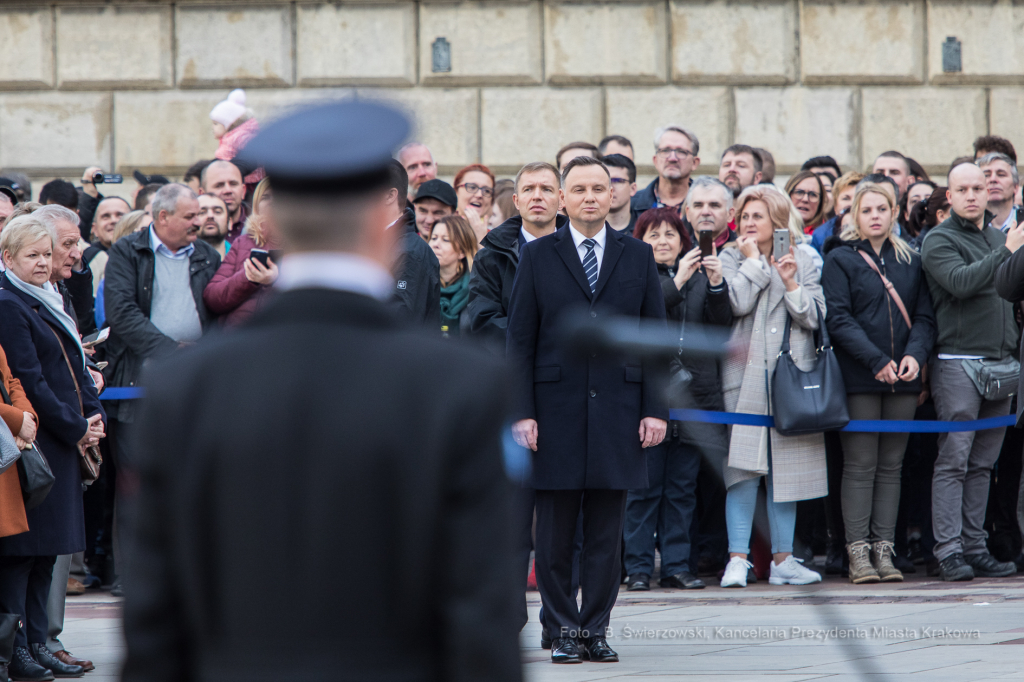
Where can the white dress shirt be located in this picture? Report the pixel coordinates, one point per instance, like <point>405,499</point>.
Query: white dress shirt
<point>526,235</point>
<point>335,270</point>
<point>600,238</point>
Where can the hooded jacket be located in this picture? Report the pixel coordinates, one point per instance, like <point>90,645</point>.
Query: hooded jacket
<point>417,294</point>
<point>490,282</point>
<point>960,262</point>
<point>866,328</point>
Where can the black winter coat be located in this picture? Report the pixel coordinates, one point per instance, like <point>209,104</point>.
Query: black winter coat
<point>866,327</point>
<point>490,284</point>
<point>693,307</point>
<point>417,295</point>
<point>588,409</point>
<point>128,293</point>
<point>1010,285</point>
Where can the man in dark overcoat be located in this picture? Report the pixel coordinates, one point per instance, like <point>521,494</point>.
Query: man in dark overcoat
<point>587,418</point>
<point>348,462</point>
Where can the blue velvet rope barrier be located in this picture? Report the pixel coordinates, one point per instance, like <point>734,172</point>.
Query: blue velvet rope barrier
<point>864,425</point>
<point>121,393</point>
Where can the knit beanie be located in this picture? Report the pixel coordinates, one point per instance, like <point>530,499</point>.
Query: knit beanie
<point>230,110</point>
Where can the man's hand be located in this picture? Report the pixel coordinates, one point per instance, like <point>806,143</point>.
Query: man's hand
<point>28,428</point>
<point>524,432</point>
<point>652,431</point>
<point>1015,238</point>
<point>87,185</point>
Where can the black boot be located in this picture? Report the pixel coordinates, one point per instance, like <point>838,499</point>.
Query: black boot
<point>58,667</point>
<point>9,625</point>
<point>24,667</point>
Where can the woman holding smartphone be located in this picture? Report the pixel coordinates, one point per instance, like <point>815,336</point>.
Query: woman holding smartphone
<point>767,288</point>
<point>243,280</point>
<point>882,340</point>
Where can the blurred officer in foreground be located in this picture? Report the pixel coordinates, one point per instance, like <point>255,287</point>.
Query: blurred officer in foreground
<point>356,471</point>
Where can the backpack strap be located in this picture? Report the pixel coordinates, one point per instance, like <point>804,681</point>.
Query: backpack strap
<point>889,287</point>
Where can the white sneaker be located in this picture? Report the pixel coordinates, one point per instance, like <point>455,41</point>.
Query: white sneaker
<point>790,572</point>
<point>736,572</point>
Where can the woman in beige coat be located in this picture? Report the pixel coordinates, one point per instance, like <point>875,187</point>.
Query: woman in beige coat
<point>765,290</point>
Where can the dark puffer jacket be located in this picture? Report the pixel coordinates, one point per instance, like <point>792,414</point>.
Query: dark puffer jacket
<point>867,329</point>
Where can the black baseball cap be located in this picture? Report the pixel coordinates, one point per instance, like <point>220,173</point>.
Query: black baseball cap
<point>437,189</point>
<point>8,187</point>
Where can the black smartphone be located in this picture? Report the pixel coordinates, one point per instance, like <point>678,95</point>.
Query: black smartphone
<point>707,243</point>
<point>261,255</point>
<point>107,178</point>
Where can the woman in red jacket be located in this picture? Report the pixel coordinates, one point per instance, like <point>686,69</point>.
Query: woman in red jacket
<point>241,284</point>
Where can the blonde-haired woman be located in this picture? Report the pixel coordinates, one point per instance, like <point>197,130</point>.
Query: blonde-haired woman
<point>454,242</point>
<point>242,283</point>
<point>881,357</point>
<point>766,289</point>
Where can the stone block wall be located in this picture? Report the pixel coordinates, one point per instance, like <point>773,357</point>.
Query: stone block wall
<point>128,84</point>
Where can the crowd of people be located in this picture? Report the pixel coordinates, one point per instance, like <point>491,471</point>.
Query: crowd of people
<point>917,283</point>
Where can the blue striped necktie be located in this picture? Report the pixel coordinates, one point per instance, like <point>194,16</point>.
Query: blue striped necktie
<point>590,263</point>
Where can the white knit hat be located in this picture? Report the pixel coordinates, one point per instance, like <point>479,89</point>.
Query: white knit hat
<point>230,110</point>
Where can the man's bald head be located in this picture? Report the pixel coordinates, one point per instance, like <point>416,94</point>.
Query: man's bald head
<point>968,193</point>
<point>223,179</point>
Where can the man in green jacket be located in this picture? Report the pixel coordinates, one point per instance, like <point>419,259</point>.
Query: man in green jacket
<point>961,256</point>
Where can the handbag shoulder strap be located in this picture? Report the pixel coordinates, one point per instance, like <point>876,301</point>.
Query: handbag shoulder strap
<point>67,360</point>
<point>821,330</point>
<point>889,287</point>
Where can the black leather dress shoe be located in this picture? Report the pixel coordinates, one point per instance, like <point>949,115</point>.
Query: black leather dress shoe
<point>545,640</point>
<point>565,650</point>
<point>641,582</point>
<point>59,668</point>
<point>596,649</point>
<point>684,580</point>
<point>24,667</point>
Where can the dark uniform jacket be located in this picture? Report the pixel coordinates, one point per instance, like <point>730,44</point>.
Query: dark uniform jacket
<point>367,454</point>
<point>128,297</point>
<point>1010,285</point>
<point>417,274</point>
<point>588,409</point>
<point>490,284</point>
<point>866,328</point>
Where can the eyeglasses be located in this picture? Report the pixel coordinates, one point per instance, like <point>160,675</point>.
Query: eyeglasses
<point>620,181</point>
<point>669,151</point>
<point>804,194</point>
<point>473,188</point>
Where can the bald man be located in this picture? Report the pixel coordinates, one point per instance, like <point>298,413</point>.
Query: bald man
<point>961,257</point>
<point>223,179</point>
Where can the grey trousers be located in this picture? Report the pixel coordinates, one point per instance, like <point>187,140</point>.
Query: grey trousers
<point>872,463</point>
<point>55,603</point>
<point>964,466</point>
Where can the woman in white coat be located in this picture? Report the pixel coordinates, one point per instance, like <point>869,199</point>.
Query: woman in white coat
<point>765,289</point>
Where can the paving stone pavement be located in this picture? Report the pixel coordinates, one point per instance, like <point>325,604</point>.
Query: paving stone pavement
<point>922,629</point>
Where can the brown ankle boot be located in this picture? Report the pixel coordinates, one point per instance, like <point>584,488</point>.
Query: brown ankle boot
<point>882,551</point>
<point>861,570</point>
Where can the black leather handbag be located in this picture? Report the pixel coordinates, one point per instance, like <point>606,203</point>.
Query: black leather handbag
<point>813,401</point>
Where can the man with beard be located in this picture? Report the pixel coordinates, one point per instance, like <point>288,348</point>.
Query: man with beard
<point>675,157</point>
<point>740,168</point>
<point>213,223</point>
<point>223,179</point>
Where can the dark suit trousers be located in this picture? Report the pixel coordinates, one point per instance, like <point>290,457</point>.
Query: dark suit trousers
<point>24,589</point>
<point>600,561</point>
<point>525,503</point>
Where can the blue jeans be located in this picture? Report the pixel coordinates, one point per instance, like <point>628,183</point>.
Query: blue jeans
<point>665,508</point>
<point>740,501</point>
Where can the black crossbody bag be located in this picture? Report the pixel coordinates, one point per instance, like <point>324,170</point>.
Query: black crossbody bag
<point>813,401</point>
<point>33,470</point>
